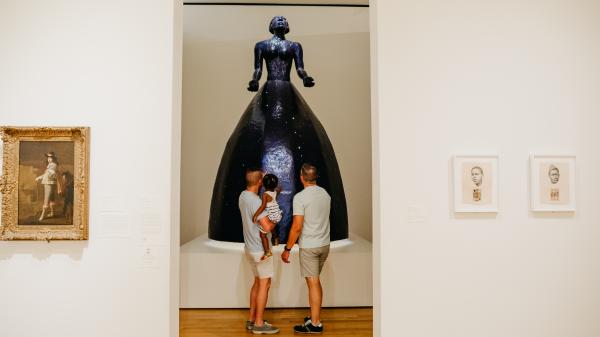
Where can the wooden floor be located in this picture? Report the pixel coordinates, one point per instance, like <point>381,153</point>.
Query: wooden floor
<point>356,322</point>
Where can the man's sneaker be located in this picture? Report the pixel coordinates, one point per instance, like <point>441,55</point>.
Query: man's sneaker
<point>308,327</point>
<point>265,329</point>
<point>250,325</point>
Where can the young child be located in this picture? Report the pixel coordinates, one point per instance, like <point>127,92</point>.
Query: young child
<point>269,202</point>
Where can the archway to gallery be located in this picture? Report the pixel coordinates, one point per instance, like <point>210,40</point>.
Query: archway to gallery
<point>218,40</point>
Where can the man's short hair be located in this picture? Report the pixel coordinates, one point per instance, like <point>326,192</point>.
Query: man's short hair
<point>309,173</point>
<point>253,176</point>
<point>477,168</point>
<point>553,168</point>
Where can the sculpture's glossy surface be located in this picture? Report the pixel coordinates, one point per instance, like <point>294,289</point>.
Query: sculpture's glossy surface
<point>278,133</point>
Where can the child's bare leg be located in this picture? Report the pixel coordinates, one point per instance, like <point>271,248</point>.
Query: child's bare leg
<point>264,239</point>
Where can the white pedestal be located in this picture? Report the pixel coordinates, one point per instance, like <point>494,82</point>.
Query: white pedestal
<point>215,274</point>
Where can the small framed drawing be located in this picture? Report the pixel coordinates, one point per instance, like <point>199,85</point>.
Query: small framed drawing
<point>552,183</point>
<point>475,184</point>
<point>44,183</point>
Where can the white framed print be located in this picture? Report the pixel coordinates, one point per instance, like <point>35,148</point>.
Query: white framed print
<point>475,184</point>
<point>552,183</point>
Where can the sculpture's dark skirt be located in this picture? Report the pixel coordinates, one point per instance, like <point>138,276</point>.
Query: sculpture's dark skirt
<point>278,133</point>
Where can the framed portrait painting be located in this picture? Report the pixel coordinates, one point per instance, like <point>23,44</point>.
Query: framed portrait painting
<point>552,183</point>
<point>475,184</point>
<point>44,183</point>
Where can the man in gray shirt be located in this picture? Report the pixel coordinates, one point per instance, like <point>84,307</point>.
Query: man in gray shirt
<point>311,226</point>
<point>249,202</point>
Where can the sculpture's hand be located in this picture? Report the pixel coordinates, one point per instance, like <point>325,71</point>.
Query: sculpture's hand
<point>253,85</point>
<point>309,82</point>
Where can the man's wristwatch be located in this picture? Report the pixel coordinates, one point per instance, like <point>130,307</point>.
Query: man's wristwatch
<point>286,248</point>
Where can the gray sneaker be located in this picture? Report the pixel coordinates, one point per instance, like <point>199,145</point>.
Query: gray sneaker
<point>265,329</point>
<point>250,324</point>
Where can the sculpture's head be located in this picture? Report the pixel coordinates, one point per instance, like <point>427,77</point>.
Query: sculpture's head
<point>278,24</point>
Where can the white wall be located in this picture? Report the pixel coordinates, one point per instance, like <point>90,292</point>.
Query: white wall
<point>218,63</point>
<point>108,65</point>
<point>508,77</point>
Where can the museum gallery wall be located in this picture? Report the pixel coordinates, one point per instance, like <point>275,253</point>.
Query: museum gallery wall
<point>507,79</point>
<point>514,80</point>
<point>109,67</point>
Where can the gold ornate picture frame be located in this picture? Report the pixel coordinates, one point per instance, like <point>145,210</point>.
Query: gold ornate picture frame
<point>44,183</point>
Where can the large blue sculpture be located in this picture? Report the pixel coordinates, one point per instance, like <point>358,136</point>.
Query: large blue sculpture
<point>278,133</point>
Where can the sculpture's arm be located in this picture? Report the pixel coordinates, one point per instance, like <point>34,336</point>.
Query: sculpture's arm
<point>299,61</point>
<point>253,84</point>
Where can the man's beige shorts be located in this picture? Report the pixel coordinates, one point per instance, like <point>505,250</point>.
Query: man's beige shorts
<point>312,260</point>
<point>261,269</point>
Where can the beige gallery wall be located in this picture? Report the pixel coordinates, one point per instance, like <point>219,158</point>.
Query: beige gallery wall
<point>107,65</point>
<point>511,78</point>
<point>217,65</point>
